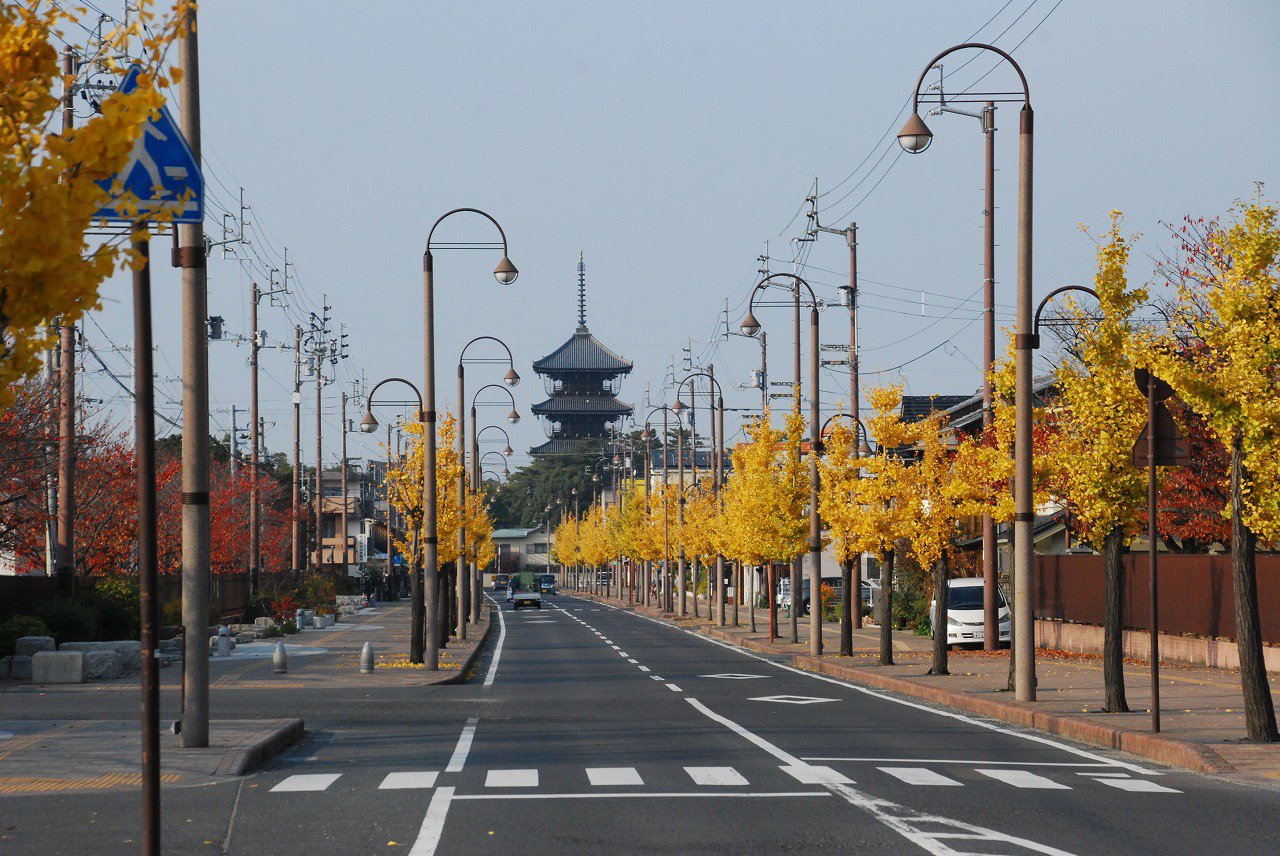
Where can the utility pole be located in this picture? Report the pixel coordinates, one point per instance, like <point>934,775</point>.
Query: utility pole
<point>990,571</point>
<point>65,552</point>
<point>190,256</point>
<point>318,495</point>
<point>343,536</point>
<point>235,441</point>
<point>254,545</point>
<point>297,449</point>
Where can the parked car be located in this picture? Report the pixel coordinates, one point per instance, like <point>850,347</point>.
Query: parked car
<point>547,583</point>
<point>784,592</point>
<point>501,581</point>
<point>964,612</point>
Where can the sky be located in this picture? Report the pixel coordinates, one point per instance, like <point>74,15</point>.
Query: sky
<point>671,143</point>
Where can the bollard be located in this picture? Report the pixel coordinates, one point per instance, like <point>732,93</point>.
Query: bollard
<point>224,642</point>
<point>366,659</point>
<point>280,660</point>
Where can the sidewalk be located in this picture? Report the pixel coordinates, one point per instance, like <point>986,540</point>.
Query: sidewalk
<point>1202,720</point>
<point>76,738</point>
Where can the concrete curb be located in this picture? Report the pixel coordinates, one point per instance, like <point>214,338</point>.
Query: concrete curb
<point>464,669</point>
<point>250,757</point>
<point>1154,747</point>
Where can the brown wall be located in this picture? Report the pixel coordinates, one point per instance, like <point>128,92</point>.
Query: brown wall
<point>1196,593</point>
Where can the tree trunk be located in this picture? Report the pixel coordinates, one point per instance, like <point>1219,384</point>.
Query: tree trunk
<point>793,614</point>
<point>1113,622</point>
<point>1259,714</point>
<point>846,608</point>
<point>886,610</point>
<point>939,617</point>
<point>1013,624</point>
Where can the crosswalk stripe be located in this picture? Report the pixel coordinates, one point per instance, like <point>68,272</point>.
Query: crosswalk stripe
<point>307,782</point>
<point>919,776</point>
<point>511,779</point>
<point>1025,779</point>
<point>1139,786</point>
<point>722,776</point>
<point>406,781</point>
<point>600,776</point>
<point>808,774</point>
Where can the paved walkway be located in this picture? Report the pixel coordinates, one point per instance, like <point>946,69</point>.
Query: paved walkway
<point>1202,719</point>
<point>78,737</point>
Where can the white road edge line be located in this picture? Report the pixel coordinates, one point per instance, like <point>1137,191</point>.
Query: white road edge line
<point>497,649</point>
<point>917,827</point>
<point>459,758</point>
<point>990,726</point>
<point>433,823</point>
<point>610,795</point>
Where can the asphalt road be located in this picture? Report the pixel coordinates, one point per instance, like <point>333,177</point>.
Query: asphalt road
<point>596,731</point>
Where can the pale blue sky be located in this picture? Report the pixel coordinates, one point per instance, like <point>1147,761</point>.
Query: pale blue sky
<point>669,142</point>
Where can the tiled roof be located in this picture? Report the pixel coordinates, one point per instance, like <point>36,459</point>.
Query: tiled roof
<point>917,407</point>
<point>569,446</point>
<point>567,405</point>
<point>583,353</point>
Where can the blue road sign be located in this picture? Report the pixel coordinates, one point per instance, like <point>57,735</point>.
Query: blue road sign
<point>160,175</point>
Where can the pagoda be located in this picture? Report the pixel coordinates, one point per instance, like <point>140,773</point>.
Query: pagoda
<point>582,378</point>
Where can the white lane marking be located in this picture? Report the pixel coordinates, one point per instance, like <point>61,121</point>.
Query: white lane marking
<point>625,795</point>
<point>1139,786</point>
<point>720,776</point>
<point>605,776</point>
<point>734,676</point>
<point>511,779</point>
<point>990,726</point>
<point>432,823</point>
<point>657,677</point>
<point>614,647</point>
<point>633,661</point>
<point>644,668</point>
<point>807,774</point>
<point>969,762</point>
<point>460,751</point>
<point>1025,779</point>
<point>920,776</point>
<point>674,688</point>
<point>497,650</point>
<point>405,781</point>
<point>925,830</point>
<point>307,782</point>
<point>792,699</point>
<point>1104,775</point>
<point>622,654</point>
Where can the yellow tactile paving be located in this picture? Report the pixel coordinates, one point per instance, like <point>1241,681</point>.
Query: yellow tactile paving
<point>23,785</point>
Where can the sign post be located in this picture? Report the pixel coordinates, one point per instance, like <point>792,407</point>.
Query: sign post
<point>1160,445</point>
<point>161,180</point>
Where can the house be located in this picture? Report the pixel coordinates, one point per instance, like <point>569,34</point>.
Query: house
<point>347,552</point>
<point>526,548</point>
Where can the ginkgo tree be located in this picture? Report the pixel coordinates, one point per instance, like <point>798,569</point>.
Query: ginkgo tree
<point>50,269</point>
<point>1099,413</point>
<point>1222,358</point>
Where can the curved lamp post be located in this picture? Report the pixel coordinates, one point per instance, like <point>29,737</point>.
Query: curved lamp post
<point>915,137</point>
<point>717,469</point>
<point>850,571</point>
<point>462,582</point>
<point>505,273</point>
<point>751,327</point>
<point>666,534</point>
<point>507,450</point>
<point>417,608</point>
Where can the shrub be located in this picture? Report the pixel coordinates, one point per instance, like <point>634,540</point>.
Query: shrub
<point>69,619</point>
<point>830,603</point>
<point>284,608</point>
<point>16,627</point>
<point>289,626</point>
<point>316,589</point>
<point>272,632</point>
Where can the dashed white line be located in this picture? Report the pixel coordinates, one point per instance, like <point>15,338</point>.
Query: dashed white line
<point>1025,779</point>
<point>511,779</point>
<point>920,776</point>
<point>406,781</point>
<point>674,688</point>
<point>607,776</point>
<point>718,776</point>
<point>459,758</point>
<point>306,782</point>
<point>433,823</point>
<point>497,651</point>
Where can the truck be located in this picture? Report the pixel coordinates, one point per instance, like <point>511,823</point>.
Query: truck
<point>524,589</point>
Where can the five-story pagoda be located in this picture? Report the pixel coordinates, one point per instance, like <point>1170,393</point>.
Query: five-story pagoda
<point>582,378</point>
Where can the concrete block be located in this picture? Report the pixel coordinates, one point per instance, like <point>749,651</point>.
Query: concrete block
<point>244,638</point>
<point>58,667</point>
<point>19,667</point>
<point>170,646</point>
<point>102,665</point>
<point>4,668</point>
<point>28,646</point>
<point>265,621</point>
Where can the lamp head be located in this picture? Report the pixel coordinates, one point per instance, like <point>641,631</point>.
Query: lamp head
<point>511,378</point>
<point>506,473</point>
<point>915,136</point>
<point>678,407</point>
<point>750,326</point>
<point>513,417</point>
<point>508,451</point>
<point>369,423</point>
<point>505,272</point>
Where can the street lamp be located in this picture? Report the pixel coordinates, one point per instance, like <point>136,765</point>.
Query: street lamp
<point>418,602</point>
<point>915,137</point>
<point>751,326</point>
<point>505,273</point>
<point>717,469</point>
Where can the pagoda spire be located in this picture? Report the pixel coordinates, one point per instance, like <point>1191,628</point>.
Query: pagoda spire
<point>582,294</point>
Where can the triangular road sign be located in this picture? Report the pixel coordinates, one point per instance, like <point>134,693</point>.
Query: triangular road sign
<point>1171,447</point>
<point>161,173</point>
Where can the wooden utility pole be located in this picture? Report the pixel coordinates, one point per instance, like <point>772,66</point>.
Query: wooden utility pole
<point>255,551</point>
<point>297,450</point>
<point>65,559</point>
<point>343,516</point>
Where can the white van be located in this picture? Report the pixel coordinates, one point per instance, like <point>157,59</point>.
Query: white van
<point>964,612</point>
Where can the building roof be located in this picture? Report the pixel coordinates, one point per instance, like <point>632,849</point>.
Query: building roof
<point>513,534</point>
<point>583,352</point>
<point>584,446</point>
<point>967,414</point>
<point>917,407</point>
<point>568,405</point>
